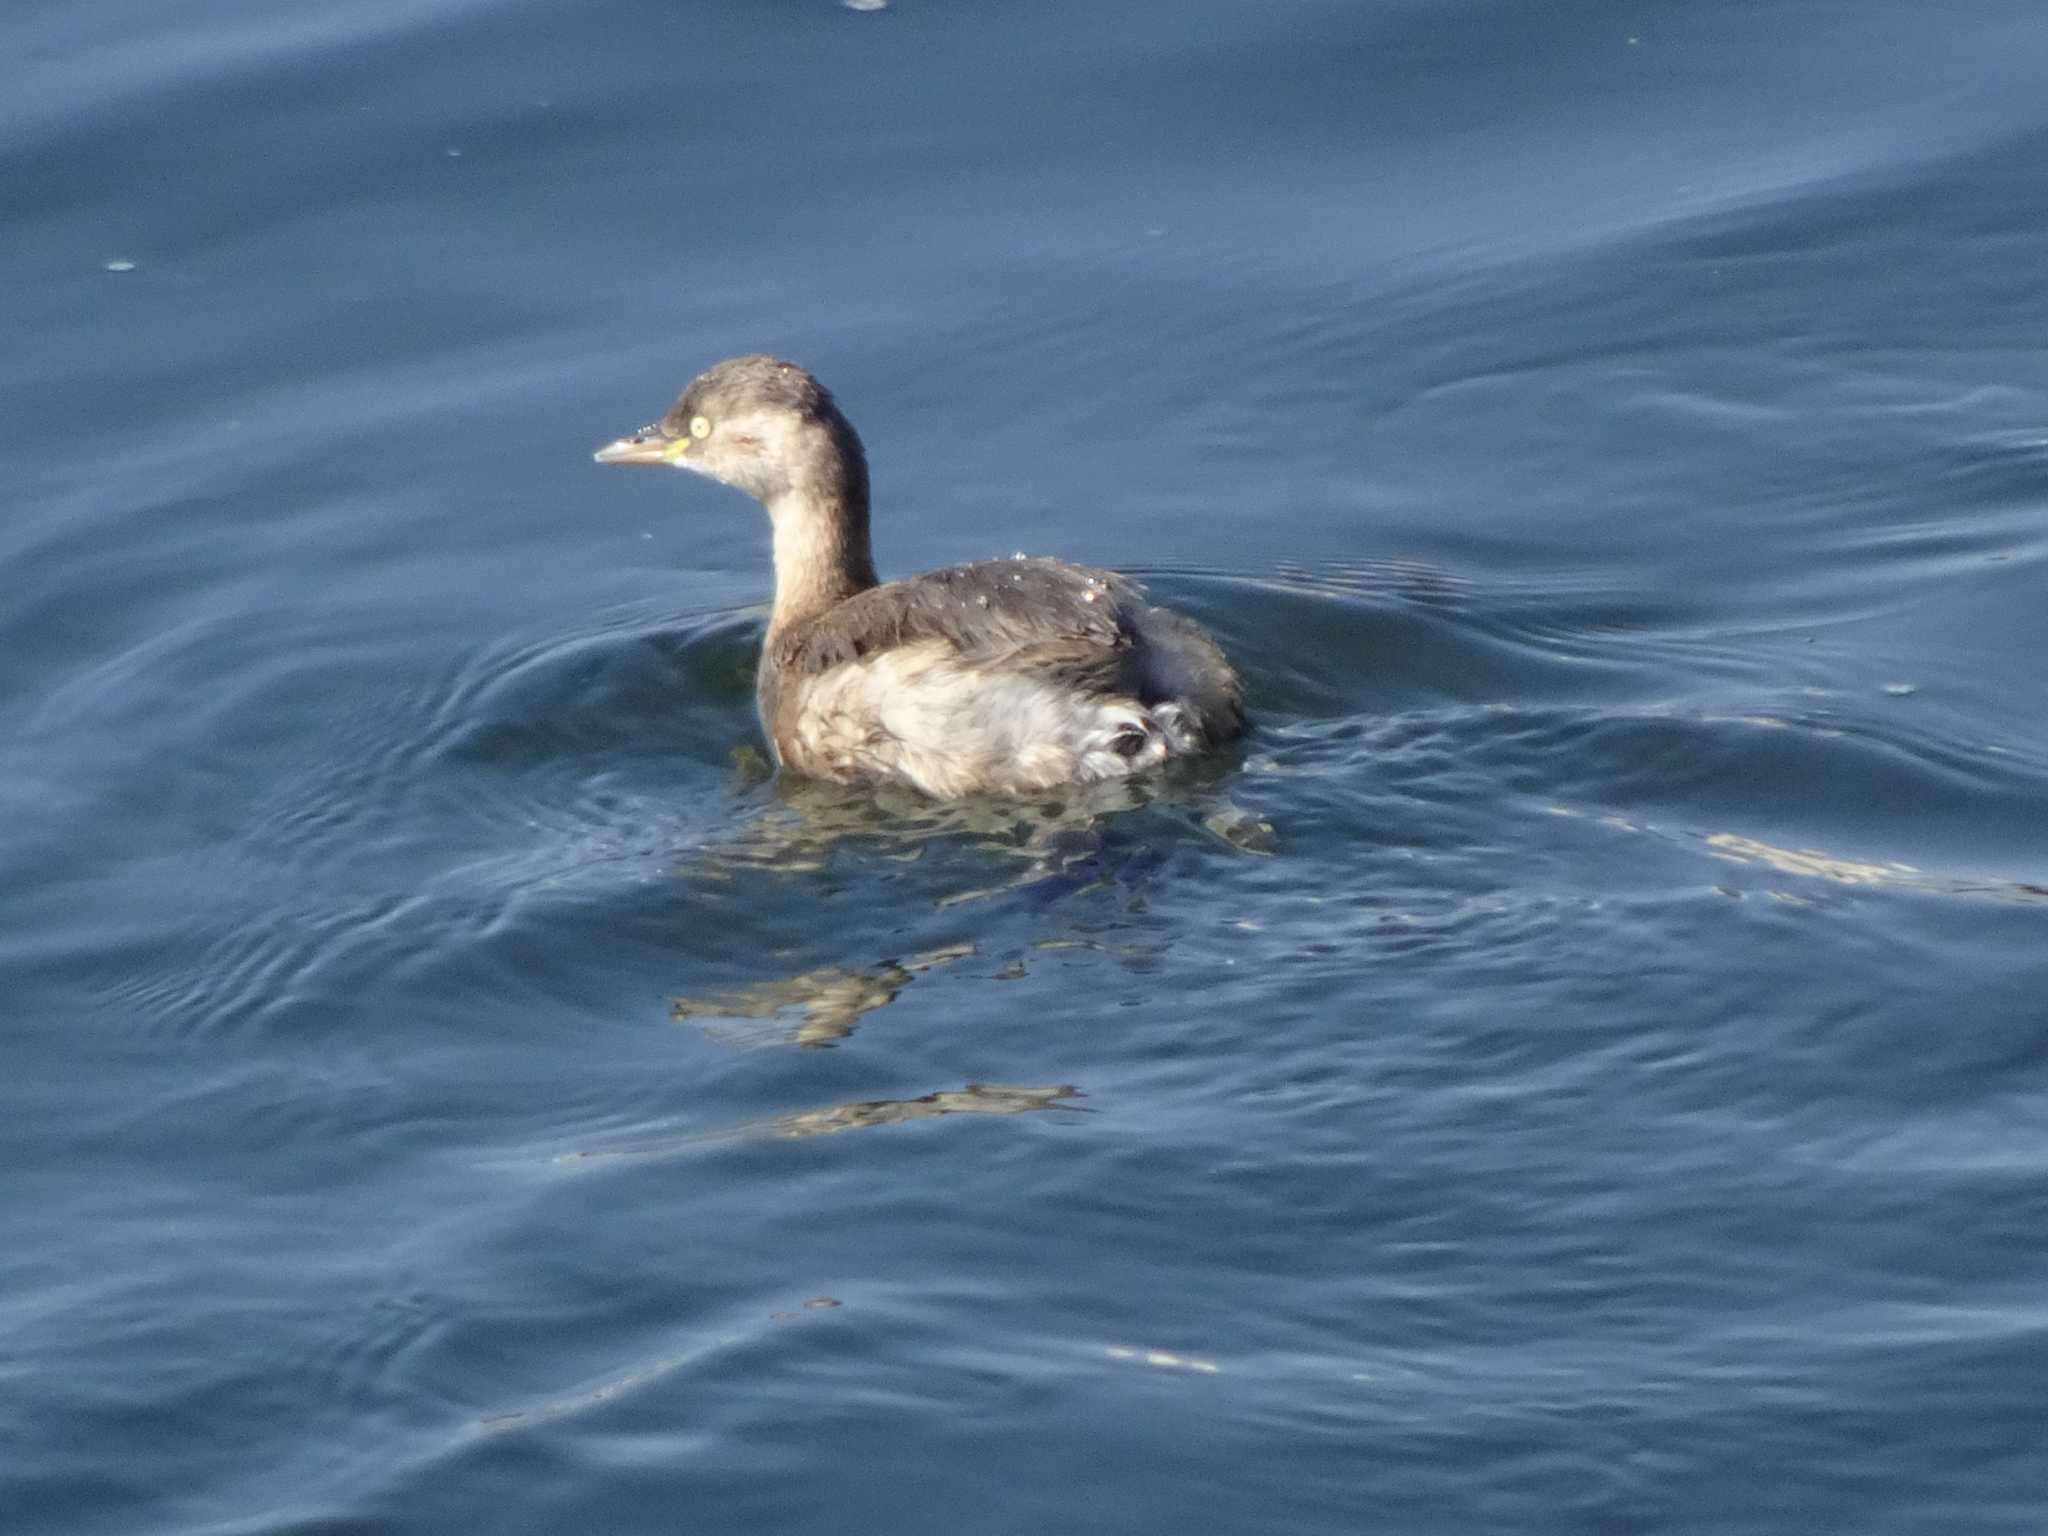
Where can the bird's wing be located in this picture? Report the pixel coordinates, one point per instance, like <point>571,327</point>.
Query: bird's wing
<point>1020,613</point>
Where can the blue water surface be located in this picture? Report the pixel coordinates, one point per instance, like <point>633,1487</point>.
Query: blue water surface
<point>1581,1065</point>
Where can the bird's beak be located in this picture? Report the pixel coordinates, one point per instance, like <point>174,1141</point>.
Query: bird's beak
<point>647,446</point>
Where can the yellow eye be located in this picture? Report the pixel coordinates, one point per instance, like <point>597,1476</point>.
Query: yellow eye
<point>700,426</point>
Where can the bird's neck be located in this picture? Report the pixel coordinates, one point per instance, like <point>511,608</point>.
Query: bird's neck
<point>822,553</point>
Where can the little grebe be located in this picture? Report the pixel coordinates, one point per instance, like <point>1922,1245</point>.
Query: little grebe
<point>1005,675</point>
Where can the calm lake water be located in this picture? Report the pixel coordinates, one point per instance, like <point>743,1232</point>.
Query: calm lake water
<point>1582,1065</point>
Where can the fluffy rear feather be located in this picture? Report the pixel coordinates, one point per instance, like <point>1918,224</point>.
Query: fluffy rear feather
<point>1008,675</point>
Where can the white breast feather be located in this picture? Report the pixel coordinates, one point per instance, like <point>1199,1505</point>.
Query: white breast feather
<point>952,728</point>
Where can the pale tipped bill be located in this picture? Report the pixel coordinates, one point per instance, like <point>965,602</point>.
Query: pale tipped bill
<point>650,445</point>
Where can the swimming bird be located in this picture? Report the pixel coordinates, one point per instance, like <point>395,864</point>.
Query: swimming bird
<point>1002,676</point>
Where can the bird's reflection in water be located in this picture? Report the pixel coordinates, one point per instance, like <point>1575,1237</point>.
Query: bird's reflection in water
<point>804,823</point>
<point>827,1001</point>
<point>973,1099</point>
<point>1037,850</point>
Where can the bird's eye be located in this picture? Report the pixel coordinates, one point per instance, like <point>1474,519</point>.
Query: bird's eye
<point>700,426</point>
